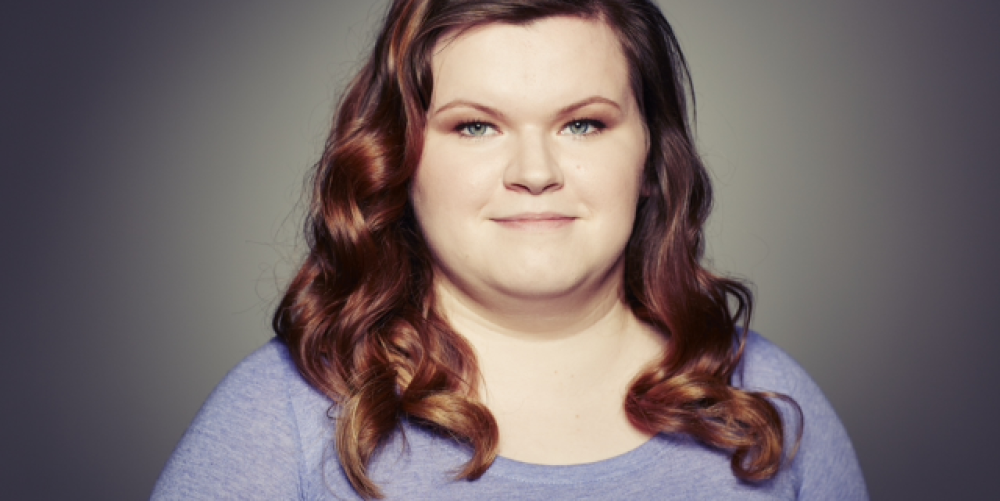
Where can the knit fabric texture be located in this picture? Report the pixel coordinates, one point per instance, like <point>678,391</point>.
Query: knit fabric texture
<point>265,433</point>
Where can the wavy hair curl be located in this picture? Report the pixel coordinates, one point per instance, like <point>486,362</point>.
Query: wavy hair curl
<point>359,316</point>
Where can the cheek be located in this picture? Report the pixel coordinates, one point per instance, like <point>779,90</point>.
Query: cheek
<point>447,186</point>
<point>432,202</point>
<point>612,176</point>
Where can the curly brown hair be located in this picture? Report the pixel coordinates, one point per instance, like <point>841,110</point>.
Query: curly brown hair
<point>359,317</point>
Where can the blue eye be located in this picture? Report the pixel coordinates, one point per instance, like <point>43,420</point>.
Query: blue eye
<point>475,129</point>
<point>584,127</point>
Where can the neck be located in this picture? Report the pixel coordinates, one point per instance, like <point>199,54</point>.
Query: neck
<point>533,318</point>
<point>583,345</point>
<point>555,379</point>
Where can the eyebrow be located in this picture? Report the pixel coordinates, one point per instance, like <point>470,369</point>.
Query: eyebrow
<point>470,104</point>
<point>588,101</point>
<point>566,110</point>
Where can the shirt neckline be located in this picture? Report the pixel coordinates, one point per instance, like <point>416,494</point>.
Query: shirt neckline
<point>645,455</point>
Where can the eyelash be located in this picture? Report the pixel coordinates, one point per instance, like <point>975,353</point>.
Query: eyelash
<point>462,128</point>
<point>597,125</point>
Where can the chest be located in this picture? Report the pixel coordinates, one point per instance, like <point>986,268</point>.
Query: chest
<point>662,469</point>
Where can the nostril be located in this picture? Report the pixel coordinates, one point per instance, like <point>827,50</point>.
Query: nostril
<point>534,170</point>
<point>535,186</point>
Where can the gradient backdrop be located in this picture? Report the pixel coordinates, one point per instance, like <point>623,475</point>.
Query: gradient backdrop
<point>152,162</point>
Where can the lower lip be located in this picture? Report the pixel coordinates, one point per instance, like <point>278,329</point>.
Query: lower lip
<point>554,223</point>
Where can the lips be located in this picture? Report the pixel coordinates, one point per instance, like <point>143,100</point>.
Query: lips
<point>535,221</point>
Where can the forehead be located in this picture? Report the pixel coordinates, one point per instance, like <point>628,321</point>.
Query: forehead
<point>548,61</point>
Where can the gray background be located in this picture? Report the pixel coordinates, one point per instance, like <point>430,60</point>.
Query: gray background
<point>153,156</point>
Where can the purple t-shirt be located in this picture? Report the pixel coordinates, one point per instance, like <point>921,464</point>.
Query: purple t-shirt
<point>264,433</point>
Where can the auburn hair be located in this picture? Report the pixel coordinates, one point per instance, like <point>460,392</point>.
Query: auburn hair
<point>359,317</point>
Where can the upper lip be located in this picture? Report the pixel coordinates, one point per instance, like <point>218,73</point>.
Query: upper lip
<point>533,216</point>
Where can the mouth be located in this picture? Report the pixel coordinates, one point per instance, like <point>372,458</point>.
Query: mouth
<point>535,221</point>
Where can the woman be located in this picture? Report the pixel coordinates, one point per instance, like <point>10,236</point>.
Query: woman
<point>503,296</point>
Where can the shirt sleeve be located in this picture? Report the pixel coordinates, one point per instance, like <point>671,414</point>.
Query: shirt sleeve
<point>243,444</point>
<point>825,465</point>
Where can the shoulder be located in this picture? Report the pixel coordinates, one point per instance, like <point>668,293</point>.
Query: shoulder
<point>825,464</point>
<point>268,369</point>
<point>261,388</point>
<point>766,367</point>
<point>246,437</point>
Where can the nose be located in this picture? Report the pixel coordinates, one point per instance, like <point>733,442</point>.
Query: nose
<point>533,167</point>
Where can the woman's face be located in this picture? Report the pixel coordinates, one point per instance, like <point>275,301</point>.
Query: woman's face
<point>532,160</point>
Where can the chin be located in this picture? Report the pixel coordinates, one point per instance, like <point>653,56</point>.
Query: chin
<point>541,287</point>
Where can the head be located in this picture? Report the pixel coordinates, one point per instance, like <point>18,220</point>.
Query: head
<point>532,164</point>
<point>390,201</point>
<point>393,109</point>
